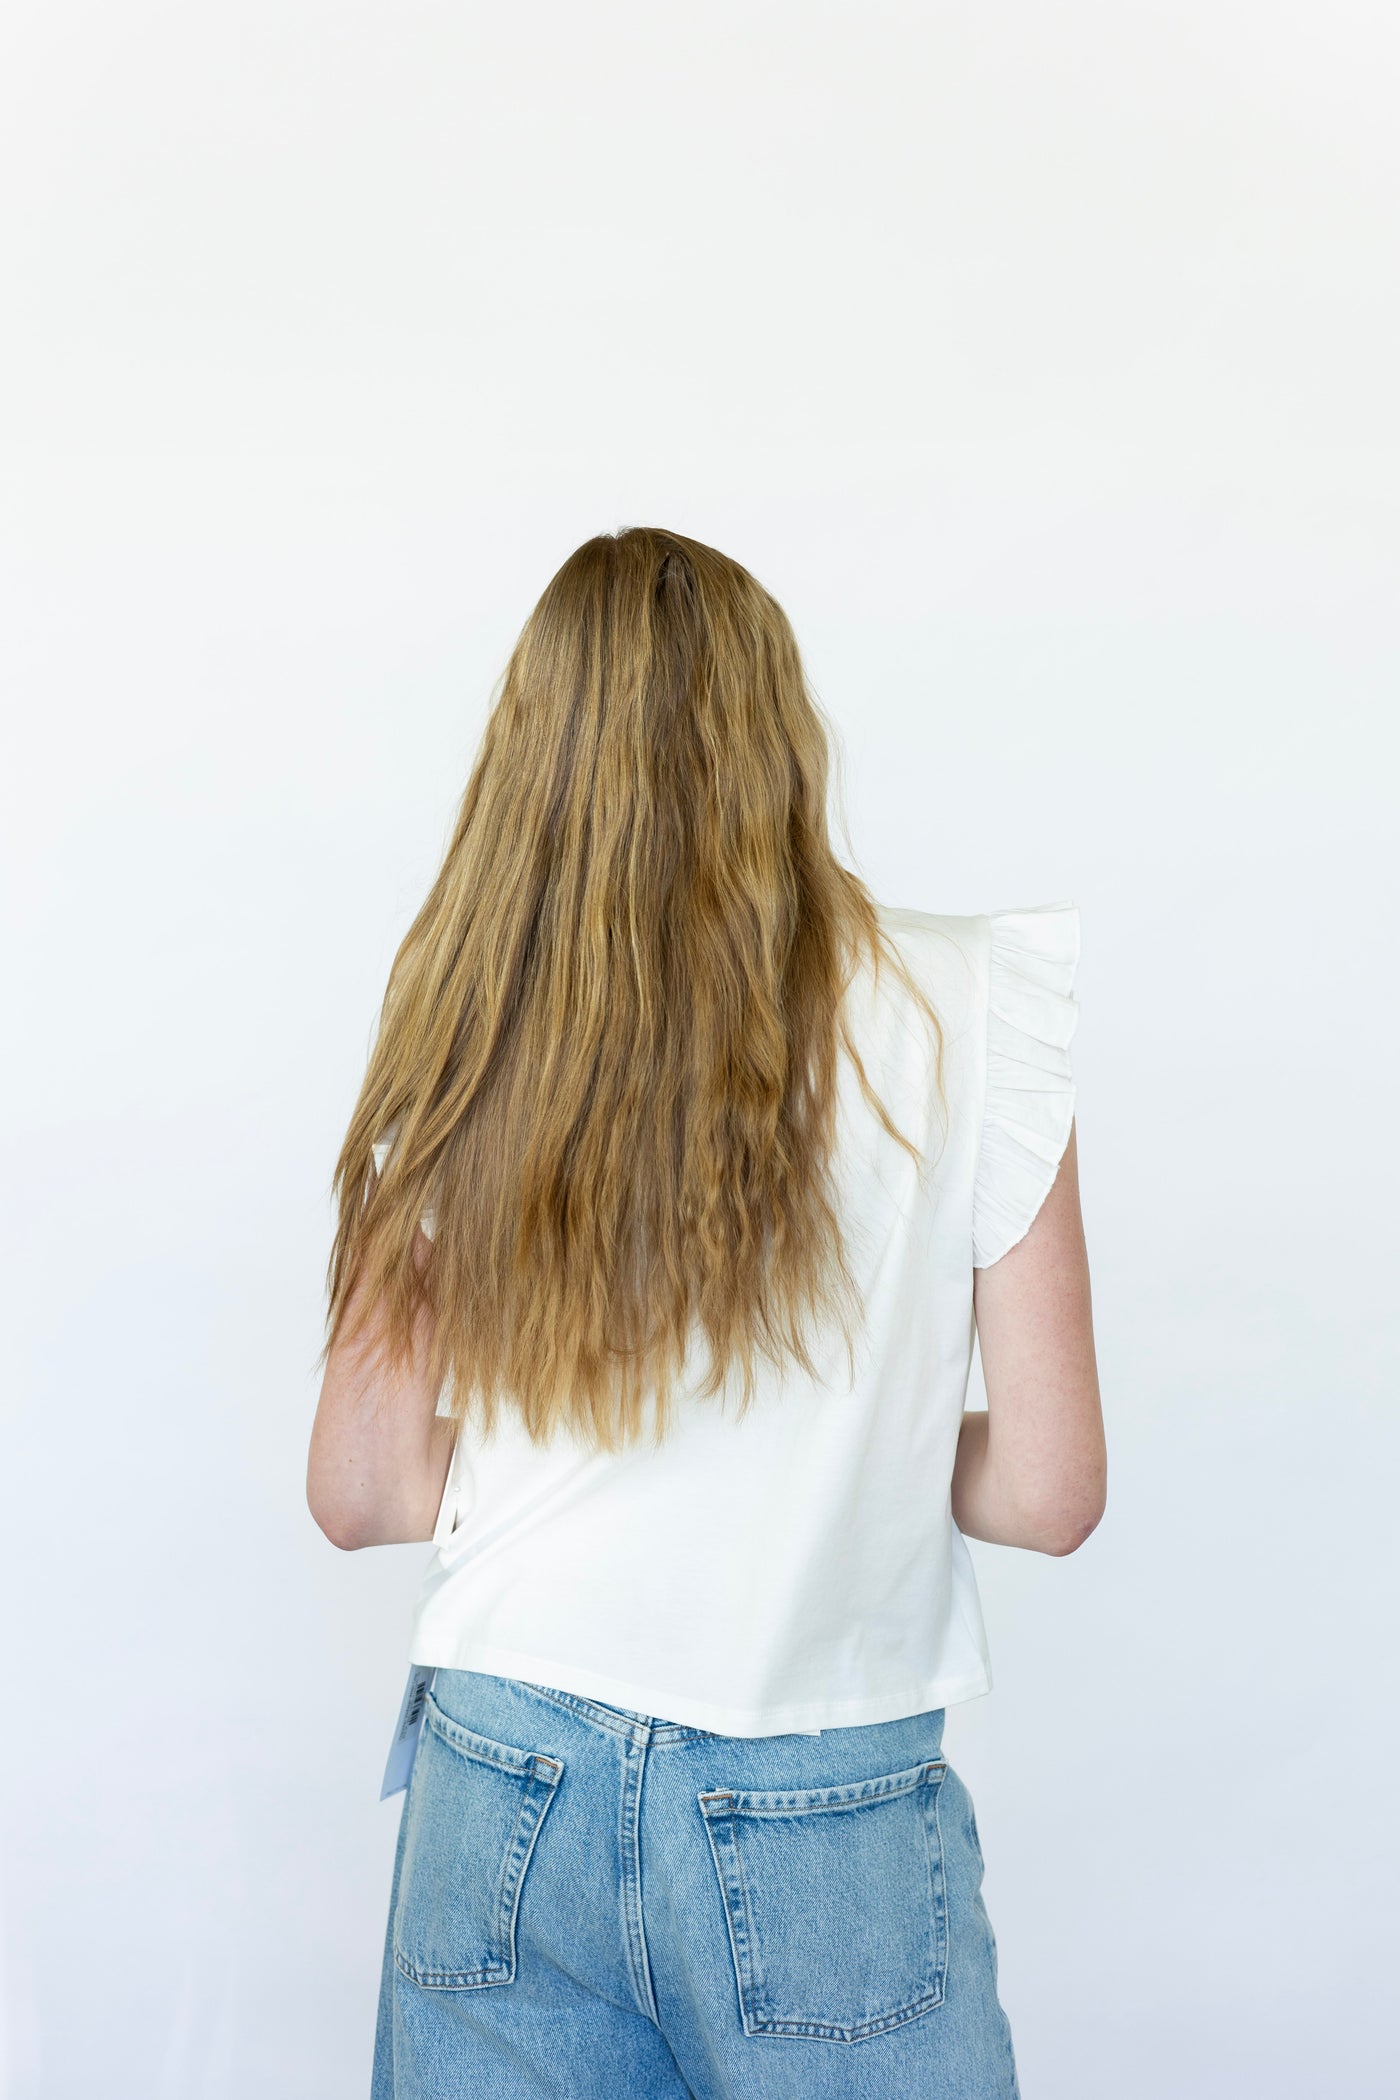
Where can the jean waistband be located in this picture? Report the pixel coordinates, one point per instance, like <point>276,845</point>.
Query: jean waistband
<point>622,1720</point>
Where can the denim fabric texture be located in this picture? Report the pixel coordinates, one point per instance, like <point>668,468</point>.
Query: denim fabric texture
<point>592,1902</point>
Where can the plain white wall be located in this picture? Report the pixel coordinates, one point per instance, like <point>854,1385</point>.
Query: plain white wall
<point>1041,360</point>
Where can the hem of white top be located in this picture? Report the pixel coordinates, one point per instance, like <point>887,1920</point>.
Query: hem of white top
<point>797,1718</point>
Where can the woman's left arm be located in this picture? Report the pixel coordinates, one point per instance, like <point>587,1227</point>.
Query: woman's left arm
<point>379,1449</point>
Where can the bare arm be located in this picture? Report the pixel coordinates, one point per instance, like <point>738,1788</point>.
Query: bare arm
<point>379,1451</point>
<point>1032,1470</point>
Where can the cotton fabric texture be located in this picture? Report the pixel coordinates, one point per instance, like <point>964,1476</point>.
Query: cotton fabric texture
<point>597,1902</point>
<point>798,1568</point>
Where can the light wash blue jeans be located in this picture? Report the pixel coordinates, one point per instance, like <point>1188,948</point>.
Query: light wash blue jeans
<point>592,1902</point>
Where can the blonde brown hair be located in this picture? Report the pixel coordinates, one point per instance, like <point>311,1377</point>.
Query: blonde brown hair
<point>608,1047</point>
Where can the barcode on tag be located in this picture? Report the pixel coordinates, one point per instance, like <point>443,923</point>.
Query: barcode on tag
<point>407,1730</point>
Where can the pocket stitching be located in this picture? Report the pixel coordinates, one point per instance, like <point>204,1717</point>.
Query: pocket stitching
<point>537,1793</point>
<point>812,1800</point>
<point>719,1807</point>
<point>938,1889</point>
<point>504,1757</point>
<point>746,1960</point>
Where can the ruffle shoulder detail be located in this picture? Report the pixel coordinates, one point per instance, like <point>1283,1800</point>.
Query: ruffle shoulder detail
<point>1031,1018</point>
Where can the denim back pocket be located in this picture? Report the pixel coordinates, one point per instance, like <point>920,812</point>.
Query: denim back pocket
<point>835,1902</point>
<point>474,1811</point>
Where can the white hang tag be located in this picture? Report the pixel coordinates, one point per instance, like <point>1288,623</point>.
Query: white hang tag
<point>407,1729</point>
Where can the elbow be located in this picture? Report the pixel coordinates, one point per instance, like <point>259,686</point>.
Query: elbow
<point>345,1528</point>
<point>345,1536</point>
<point>1064,1530</point>
<point>341,1532</point>
<point>1067,1536</point>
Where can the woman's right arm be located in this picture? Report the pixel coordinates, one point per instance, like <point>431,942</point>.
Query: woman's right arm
<point>1032,1470</point>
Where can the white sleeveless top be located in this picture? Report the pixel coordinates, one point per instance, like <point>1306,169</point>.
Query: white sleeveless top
<point>798,1568</point>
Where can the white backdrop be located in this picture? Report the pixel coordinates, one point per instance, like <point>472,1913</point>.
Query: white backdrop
<point>1041,361</point>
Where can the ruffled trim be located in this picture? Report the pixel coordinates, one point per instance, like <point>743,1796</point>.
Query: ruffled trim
<point>381,1150</point>
<point>1031,1018</point>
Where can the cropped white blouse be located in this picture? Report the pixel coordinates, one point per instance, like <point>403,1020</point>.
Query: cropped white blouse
<point>799,1568</point>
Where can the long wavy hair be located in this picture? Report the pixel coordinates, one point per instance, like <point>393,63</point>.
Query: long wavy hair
<point>608,1049</point>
